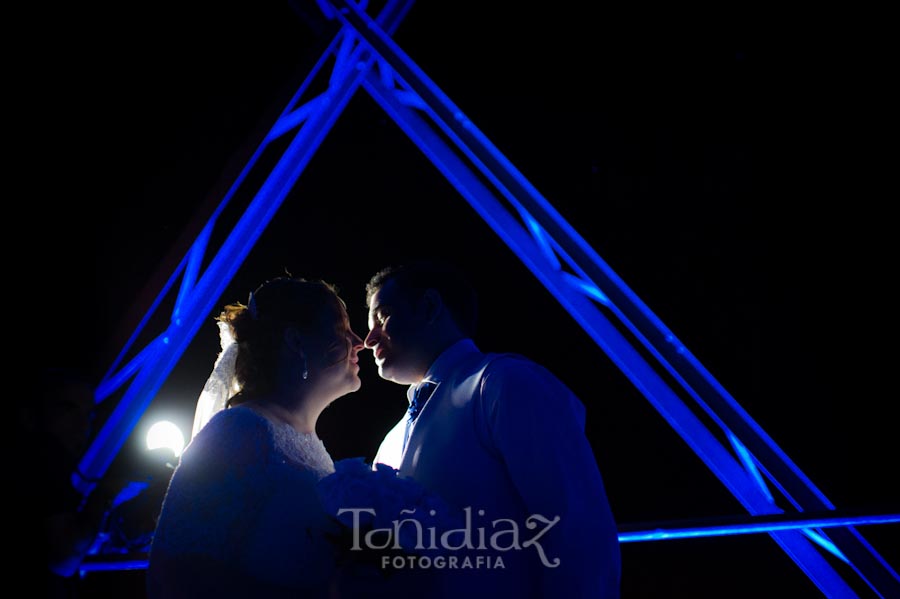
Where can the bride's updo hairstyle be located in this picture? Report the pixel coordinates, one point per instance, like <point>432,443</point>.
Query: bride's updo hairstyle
<point>258,327</point>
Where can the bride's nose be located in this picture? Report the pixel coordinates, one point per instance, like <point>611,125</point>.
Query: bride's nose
<point>357,342</point>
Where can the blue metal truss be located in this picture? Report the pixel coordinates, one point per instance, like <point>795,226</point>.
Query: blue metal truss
<point>739,452</point>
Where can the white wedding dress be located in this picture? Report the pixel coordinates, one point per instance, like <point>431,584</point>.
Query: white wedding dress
<point>252,510</point>
<point>242,517</point>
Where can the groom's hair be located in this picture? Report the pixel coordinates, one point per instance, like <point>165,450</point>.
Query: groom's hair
<point>413,279</point>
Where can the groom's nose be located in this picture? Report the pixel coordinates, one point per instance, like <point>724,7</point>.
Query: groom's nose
<point>372,339</point>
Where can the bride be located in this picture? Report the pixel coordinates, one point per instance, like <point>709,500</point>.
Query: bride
<point>243,515</point>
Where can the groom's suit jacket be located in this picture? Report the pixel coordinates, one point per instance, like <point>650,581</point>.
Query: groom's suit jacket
<point>503,439</point>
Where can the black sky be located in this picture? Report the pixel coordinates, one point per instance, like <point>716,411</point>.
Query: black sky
<point>731,182</point>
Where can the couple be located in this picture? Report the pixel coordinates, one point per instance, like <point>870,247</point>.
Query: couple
<point>256,507</point>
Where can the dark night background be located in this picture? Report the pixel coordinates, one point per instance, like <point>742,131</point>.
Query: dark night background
<point>730,173</point>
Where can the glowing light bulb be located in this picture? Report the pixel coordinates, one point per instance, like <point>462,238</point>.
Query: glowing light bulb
<point>165,434</point>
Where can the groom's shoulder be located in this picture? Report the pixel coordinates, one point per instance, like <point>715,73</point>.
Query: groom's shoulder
<point>507,367</point>
<point>482,363</point>
<point>518,369</point>
<point>510,361</point>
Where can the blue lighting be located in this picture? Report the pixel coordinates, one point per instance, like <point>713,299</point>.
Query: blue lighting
<point>587,288</point>
<point>822,541</point>
<point>196,301</point>
<point>751,528</point>
<point>542,239</point>
<point>660,534</point>
<point>112,566</point>
<point>742,477</point>
<point>750,464</point>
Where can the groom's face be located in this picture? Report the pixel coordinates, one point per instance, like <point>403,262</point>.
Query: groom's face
<point>395,336</point>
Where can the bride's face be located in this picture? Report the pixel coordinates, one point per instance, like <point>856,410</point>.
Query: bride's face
<point>339,364</point>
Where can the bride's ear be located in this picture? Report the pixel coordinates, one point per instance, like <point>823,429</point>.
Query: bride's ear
<point>295,340</point>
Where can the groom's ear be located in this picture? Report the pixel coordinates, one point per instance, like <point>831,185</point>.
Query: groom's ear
<point>432,305</point>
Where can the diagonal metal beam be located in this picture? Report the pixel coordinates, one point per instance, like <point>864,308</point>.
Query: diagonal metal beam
<point>713,453</point>
<point>199,292</point>
<point>419,91</point>
<point>591,292</point>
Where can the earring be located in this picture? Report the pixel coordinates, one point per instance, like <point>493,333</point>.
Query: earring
<point>305,369</point>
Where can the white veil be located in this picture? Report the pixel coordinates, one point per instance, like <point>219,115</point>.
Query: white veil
<point>220,385</point>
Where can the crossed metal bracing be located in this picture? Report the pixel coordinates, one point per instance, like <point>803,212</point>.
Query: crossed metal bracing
<point>362,54</point>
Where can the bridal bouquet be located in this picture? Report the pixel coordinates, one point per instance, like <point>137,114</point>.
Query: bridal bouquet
<point>382,509</point>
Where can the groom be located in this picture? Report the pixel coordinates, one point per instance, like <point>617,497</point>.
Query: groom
<point>496,435</point>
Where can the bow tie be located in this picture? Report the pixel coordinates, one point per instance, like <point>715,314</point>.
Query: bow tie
<point>420,397</point>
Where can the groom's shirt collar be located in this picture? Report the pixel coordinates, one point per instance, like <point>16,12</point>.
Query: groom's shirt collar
<point>445,362</point>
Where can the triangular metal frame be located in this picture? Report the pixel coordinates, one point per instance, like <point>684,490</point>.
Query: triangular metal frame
<point>363,54</point>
